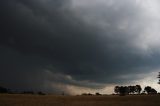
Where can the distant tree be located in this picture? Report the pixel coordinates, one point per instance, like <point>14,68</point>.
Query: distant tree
<point>116,89</point>
<point>97,93</point>
<point>123,90</point>
<point>132,89</point>
<point>3,90</point>
<point>150,90</point>
<point>138,89</point>
<point>127,90</point>
<point>153,91</point>
<point>41,93</point>
<point>86,94</point>
<point>147,89</point>
<point>90,94</point>
<point>28,92</point>
<point>159,78</point>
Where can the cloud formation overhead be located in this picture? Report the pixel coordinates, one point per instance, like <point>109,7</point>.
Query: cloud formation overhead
<point>61,45</point>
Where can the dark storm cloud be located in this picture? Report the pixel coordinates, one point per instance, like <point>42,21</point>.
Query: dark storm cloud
<point>44,42</point>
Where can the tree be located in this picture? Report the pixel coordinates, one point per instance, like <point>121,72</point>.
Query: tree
<point>116,89</point>
<point>159,78</point>
<point>41,93</point>
<point>132,89</point>
<point>138,89</point>
<point>153,91</point>
<point>125,90</point>
<point>121,90</point>
<point>150,90</point>
<point>97,93</point>
<point>3,90</point>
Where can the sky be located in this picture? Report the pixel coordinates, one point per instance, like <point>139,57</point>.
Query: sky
<point>77,46</point>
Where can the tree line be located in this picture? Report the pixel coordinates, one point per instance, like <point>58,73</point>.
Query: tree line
<point>119,90</point>
<point>5,90</point>
<point>126,90</point>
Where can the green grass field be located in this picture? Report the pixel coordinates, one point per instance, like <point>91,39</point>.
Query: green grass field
<point>50,100</point>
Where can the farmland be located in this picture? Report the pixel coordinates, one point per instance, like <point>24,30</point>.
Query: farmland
<point>52,100</point>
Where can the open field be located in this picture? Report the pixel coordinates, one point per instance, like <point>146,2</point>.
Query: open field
<point>50,100</point>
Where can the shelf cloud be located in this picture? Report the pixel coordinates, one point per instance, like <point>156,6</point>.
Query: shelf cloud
<point>49,45</point>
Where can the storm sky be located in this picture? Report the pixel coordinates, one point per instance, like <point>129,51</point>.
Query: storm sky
<point>75,46</point>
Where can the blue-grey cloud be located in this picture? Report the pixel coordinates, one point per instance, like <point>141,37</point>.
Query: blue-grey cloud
<point>81,43</point>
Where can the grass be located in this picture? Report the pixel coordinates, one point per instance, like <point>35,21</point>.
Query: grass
<point>51,100</point>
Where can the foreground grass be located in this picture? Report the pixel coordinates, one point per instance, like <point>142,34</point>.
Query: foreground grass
<point>50,100</point>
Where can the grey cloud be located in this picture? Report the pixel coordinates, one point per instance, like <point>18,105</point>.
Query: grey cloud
<point>87,45</point>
